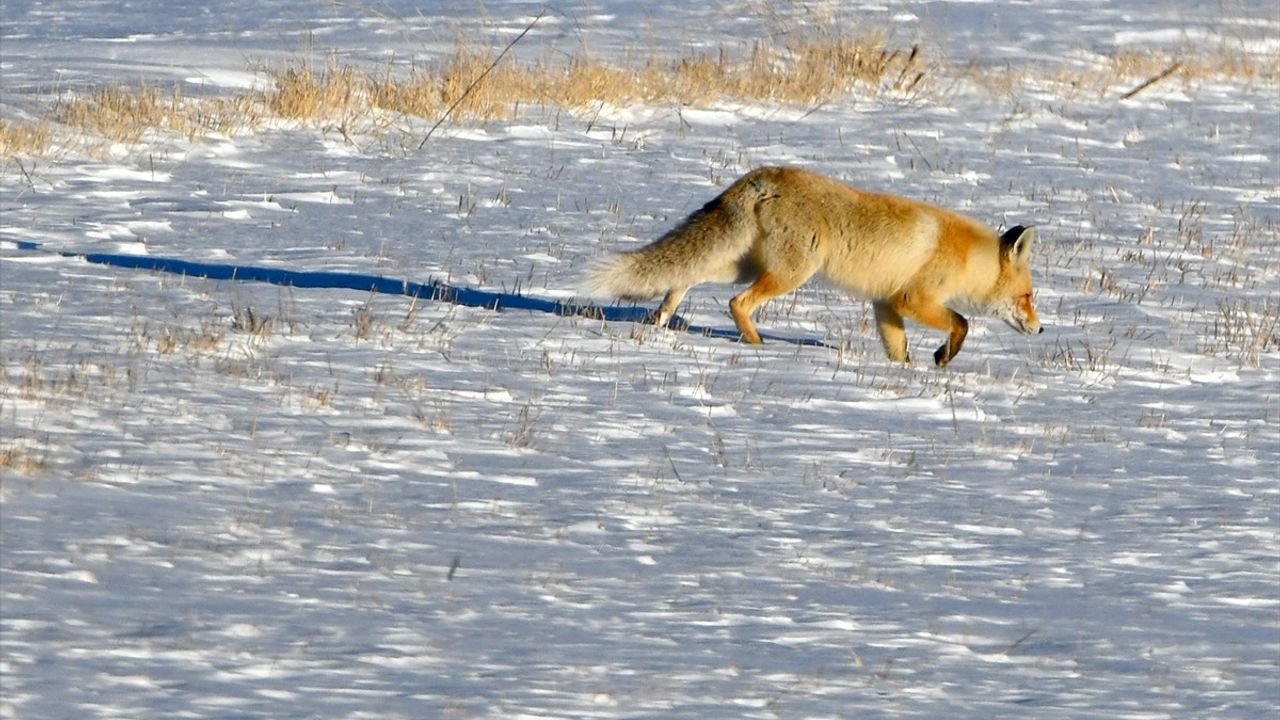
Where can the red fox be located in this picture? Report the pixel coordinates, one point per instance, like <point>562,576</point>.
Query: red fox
<point>776,227</point>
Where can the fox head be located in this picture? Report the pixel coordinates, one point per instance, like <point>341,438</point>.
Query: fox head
<point>1011,295</point>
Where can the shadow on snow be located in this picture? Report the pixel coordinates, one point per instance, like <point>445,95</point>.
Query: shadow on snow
<point>433,290</point>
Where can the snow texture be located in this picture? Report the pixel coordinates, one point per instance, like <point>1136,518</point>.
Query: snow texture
<point>233,499</point>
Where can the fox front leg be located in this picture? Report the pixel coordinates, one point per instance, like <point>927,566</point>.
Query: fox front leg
<point>949,349</point>
<point>927,310</point>
<point>893,333</point>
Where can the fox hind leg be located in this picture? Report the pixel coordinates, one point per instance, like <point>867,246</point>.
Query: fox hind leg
<point>767,286</point>
<point>670,302</point>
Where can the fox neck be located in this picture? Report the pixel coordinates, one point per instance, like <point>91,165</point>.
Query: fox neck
<point>980,287</point>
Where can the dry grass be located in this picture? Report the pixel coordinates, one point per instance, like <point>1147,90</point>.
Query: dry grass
<point>1193,66</point>
<point>224,116</point>
<point>810,71</point>
<point>25,138</point>
<point>1119,74</point>
<point>804,70</point>
<point>302,92</point>
<point>20,461</point>
<point>121,114</point>
<point>126,116</point>
<point>429,91</point>
<point>1242,330</point>
<point>172,339</point>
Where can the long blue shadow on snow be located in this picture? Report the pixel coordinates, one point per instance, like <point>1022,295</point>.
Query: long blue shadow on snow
<point>433,290</point>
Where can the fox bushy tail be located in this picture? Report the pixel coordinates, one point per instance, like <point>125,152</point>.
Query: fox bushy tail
<point>706,246</point>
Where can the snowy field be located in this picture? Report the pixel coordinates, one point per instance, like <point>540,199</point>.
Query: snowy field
<point>238,500</point>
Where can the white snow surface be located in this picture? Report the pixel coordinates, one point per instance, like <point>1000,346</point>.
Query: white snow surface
<point>236,500</point>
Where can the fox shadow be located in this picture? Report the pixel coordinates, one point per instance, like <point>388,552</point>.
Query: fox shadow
<point>433,290</point>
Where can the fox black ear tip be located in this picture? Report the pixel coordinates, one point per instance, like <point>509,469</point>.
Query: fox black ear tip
<point>1014,233</point>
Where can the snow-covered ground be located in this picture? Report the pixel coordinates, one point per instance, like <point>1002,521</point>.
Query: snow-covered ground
<point>227,499</point>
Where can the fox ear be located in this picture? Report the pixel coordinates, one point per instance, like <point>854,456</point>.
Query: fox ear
<point>1015,243</point>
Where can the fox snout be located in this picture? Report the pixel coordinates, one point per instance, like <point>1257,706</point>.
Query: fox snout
<point>1027,325</point>
<point>1032,327</point>
<point>1023,325</point>
<point>1020,315</point>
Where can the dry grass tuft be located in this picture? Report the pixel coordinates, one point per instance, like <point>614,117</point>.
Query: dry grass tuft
<point>122,114</point>
<point>821,69</point>
<point>126,115</point>
<point>304,93</point>
<point>25,138</point>
<point>224,116</point>
<point>430,90</point>
<point>1243,330</point>
<point>19,461</point>
<point>1127,73</point>
<point>1193,66</point>
<point>177,338</point>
